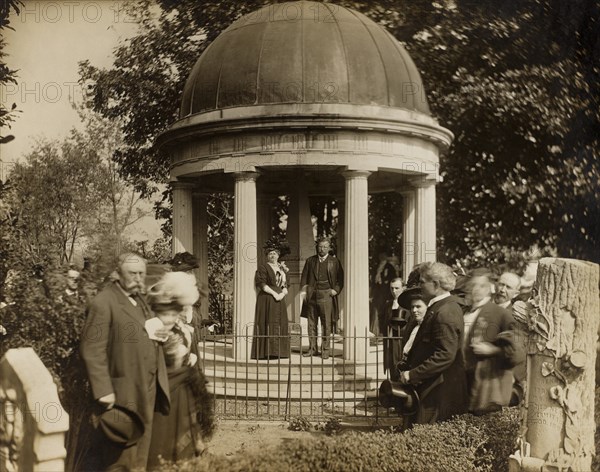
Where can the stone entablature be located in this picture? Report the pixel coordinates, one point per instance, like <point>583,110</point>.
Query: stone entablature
<point>297,128</point>
<point>355,137</point>
<point>352,150</point>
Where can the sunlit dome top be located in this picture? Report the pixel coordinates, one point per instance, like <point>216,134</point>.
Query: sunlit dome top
<point>303,52</point>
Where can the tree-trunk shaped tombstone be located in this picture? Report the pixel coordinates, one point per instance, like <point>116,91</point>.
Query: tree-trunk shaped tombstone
<point>560,321</point>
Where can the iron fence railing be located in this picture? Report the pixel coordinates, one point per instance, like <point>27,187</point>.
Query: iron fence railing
<point>291,385</point>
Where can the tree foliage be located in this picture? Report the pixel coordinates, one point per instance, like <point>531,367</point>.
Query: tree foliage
<point>517,84</point>
<point>55,189</point>
<point>120,206</point>
<point>516,81</point>
<point>7,75</point>
<point>220,259</point>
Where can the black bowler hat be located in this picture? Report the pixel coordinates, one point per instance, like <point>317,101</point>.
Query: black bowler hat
<point>121,425</point>
<point>403,397</point>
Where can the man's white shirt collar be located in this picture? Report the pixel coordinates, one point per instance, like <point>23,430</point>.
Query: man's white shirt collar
<point>127,294</point>
<point>322,259</point>
<point>438,298</point>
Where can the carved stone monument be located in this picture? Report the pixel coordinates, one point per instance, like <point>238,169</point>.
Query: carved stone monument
<point>32,420</point>
<point>561,322</point>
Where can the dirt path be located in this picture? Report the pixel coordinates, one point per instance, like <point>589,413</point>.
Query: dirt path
<point>239,436</point>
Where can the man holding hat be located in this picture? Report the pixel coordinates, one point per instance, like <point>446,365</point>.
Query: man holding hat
<point>126,369</point>
<point>434,360</point>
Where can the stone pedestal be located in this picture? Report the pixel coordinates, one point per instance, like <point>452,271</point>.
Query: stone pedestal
<point>356,266</point>
<point>561,323</point>
<point>33,422</point>
<point>244,261</point>
<point>183,233</point>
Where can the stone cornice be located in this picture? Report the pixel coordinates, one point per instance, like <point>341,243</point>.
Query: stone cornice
<point>295,117</point>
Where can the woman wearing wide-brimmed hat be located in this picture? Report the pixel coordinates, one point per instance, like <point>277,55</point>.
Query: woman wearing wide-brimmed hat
<point>271,338</point>
<point>181,433</point>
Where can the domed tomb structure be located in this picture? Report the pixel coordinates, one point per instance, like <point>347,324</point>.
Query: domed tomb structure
<point>304,99</point>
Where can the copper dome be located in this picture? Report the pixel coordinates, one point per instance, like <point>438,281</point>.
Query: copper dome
<point>303,52</point>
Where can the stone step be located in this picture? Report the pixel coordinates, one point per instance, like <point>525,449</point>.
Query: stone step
<point>296,375</point>
<point>281,392</point>
<point>304,386</point>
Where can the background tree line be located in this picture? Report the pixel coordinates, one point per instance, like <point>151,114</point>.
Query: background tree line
<point>516,81</point>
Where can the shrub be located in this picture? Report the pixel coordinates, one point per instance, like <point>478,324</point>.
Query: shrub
<point>299,423</point>
<point>466,443</point>
<point>501,431</point>
<point>40,317</point>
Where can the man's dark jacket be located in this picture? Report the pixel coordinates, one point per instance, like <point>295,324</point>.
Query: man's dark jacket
<point>435,362</point>
<point>120,357</point>
<point>310,276</point>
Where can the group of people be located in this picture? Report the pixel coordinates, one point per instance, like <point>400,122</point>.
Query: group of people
<point>451,339</point>
<point>454,348</point>
<point>150,397</point>
<point>321,282</point>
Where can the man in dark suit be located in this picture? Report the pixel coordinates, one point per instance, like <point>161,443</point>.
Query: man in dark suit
<point>393,319</point>
<point>434,363</point>
<point>490,349</point>
<point>125,367</point>
<point>322,281</point>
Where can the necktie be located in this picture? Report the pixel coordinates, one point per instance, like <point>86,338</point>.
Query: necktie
<point>140,302</point>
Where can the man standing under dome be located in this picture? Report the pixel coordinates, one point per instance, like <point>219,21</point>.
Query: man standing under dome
<point>322,281</point>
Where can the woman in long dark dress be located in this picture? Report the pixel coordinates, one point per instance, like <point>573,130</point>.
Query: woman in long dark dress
<point>181,433</point>
<point>270,318</point>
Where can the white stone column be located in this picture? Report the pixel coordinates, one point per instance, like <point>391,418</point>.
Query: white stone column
<point>183,239</point>
<point>425,225</point>
<point>264,211</point>
<point>302,244</point>
<point>356,265</point>
<point>341,253</point>
<point>408,232</point>
<point>200,236</point>
<point>245,262</point>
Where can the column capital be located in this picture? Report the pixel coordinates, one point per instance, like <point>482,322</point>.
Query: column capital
<point>425,180</point>
<point>179,185</point>
<point>244,176</point>
<point>355,174</point>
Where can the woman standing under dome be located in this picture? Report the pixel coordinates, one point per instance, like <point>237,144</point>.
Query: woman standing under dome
<point>271,338</point>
